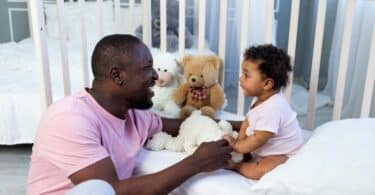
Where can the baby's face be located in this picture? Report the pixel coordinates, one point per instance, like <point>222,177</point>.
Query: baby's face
<point>251,80</point>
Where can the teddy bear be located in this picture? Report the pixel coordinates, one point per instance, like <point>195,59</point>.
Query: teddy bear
<point>172,26</point>
<point>193,131</point>
<point>201,89</point>
<point>169,78</point>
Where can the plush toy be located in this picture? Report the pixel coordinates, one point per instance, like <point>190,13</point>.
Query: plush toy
<point>201,89</point>
<point>172,26</point>
<point>170,77</point>
<point>195,130</point>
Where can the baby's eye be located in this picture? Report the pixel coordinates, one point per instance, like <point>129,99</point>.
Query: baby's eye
<point>158,69</point>
<point>165,70</point>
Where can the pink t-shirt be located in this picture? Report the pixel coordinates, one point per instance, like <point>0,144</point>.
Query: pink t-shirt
<point>275,115</point>
<point>77,132</point>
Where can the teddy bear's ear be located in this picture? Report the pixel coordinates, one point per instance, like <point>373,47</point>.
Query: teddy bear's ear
<point>187,59</point>
<point>178,62</point>
<point>214,60</point>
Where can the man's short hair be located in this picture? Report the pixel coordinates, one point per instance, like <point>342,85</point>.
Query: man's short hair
<point>110,49</point>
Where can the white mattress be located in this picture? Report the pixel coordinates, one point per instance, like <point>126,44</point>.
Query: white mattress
<point>220,182</point>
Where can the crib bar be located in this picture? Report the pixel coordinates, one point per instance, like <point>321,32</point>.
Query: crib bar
<point>269,21</point>
<point>201,25</point>
<point>317,52</point>
<point>85,70</point>
<point>146,25</point>
<point>117,15</point>
<point>344,58</point>
<point>63,47</point>
<point>243,44</point>
<point>41,51</point>
<point>292,40</point>
<point>181,27</point>
<point>163,26</point>
<point>222,36</point>
<point>131,11</point>
<point>370,79</point>
<point>99,13</point>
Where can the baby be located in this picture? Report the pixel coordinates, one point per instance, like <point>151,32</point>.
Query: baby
<point>270,132</point>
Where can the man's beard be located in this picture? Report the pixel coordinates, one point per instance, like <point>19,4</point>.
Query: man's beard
<point>141,103</point>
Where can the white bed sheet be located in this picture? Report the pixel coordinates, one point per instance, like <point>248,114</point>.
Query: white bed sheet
<point>220,182</point>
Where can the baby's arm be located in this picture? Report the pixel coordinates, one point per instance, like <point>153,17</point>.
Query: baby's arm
<point>249,143</point>
<point>242,132</point>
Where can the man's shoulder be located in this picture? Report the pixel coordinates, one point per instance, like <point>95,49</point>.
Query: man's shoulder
<point>74,104</point>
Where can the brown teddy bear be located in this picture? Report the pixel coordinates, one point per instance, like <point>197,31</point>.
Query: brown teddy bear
<point>201,90</point>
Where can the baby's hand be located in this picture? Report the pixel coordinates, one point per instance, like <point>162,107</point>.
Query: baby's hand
<point>230,140</point>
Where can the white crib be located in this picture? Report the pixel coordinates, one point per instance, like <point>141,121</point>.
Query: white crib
<point>80,50</point>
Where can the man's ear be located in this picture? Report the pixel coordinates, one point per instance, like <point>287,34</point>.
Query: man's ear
<point>115,75</point>
<point>268,84</point>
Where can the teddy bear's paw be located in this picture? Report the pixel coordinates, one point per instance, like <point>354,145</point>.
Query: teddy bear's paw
<point>175,145</point>
<point>186,111</point>
<point>208,111</point>
<point>158,141</point>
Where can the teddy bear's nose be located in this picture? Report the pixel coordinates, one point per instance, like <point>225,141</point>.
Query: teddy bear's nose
<point>193,79</point>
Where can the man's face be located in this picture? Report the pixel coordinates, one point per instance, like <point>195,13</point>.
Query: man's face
<point>141,78</point>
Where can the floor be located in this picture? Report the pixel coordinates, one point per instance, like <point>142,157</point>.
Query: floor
<point>14,166</point>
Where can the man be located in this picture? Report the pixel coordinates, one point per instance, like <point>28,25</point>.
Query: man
<point>97,133</point>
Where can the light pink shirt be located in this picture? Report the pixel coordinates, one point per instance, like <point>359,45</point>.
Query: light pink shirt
<point>77,132</point>
<point>275,115</point>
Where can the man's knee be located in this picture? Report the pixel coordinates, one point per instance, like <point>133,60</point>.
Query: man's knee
<point>92,187</point>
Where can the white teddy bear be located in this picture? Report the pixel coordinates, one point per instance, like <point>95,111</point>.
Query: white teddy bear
<point>170,78</point>
<point>195,130</point>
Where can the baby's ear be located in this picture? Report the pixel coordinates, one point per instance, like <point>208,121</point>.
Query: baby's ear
<point>214,60</point>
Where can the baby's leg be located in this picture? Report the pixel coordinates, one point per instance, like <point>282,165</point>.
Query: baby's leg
<point>257,168</point>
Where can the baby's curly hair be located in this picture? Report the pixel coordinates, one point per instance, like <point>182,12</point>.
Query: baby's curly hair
<point>274,63</point>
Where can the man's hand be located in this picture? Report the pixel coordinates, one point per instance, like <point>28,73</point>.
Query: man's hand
<point>230,140</point>
<point>212,155</point>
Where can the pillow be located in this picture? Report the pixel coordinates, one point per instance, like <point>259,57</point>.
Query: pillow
<point>337,160</point>
<point>72,19</point>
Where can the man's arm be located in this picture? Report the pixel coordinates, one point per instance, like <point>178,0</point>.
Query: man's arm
<point>171,126</point>
<point>208,157</point>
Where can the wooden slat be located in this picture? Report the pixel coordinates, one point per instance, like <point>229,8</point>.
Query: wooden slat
<point>222,37</point>
<point>63,47</point>
<point>146,22</point>
<point>269,21</point>
<point>131,23</point>
<point>163,26</point>
<point>84,56</point>
<point>344,58</point>
<point>201,25</point>
<point>41,51</point>
<point>317,52</point>
<point>117,16</point>
<point>99,14</point>
<point>181,27</point>
<point>292,43</point>
<point>243,45</point>
<point>370,79</point>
